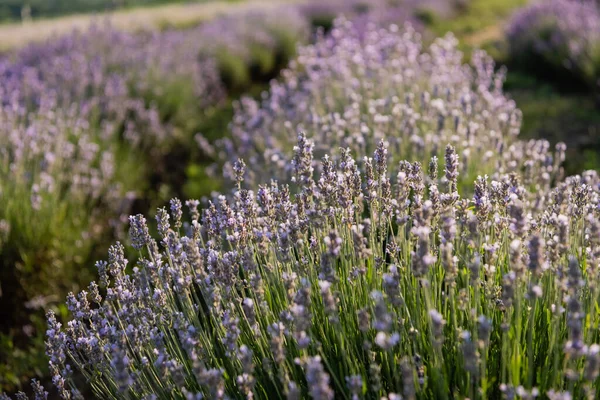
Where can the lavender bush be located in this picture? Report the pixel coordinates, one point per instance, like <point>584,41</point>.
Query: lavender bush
<point>383,284</point>
<point>558,36</point>
<point>357,86</point>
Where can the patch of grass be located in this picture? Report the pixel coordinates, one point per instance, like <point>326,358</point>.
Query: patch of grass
<point>198,182</point>
<point>558,116</point>
<point>477,24</point>
<point>476,16</point>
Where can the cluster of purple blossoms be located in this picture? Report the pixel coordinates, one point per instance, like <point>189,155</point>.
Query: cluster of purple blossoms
<point>355,87</point>
<point>558,35</point>
<point>318,292</point>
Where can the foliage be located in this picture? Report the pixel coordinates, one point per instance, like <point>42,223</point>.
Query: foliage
<point>558,114</point>
<point>260,45</point>
<point>475,16</point>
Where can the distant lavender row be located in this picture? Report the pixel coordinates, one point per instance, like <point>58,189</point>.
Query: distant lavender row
<point>354,87</point>
<point>560,35</point>
<point>381,12</point>
<point>92,85</point>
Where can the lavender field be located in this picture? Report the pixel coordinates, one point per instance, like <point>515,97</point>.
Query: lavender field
<point>304,200</point>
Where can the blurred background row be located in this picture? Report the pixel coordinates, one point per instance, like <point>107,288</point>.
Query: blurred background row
<point>112,107</point>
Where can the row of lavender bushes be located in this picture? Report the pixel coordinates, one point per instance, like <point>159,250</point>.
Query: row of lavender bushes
<point>411,247</point>
<point>558,39</point>
<point>88,122</point>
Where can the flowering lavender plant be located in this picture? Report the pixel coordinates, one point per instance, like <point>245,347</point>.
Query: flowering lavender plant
<point>387,283</point>
<point>359,85</point>
<point>560,36</point>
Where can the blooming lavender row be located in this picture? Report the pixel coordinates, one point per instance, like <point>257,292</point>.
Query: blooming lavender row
<point>111,73</point>
<point>106,80</point>
<point>387,283</point>
<point>558,35</point>
<point>357,86</point>
<point>68,103</point>
<point>76,123</point>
